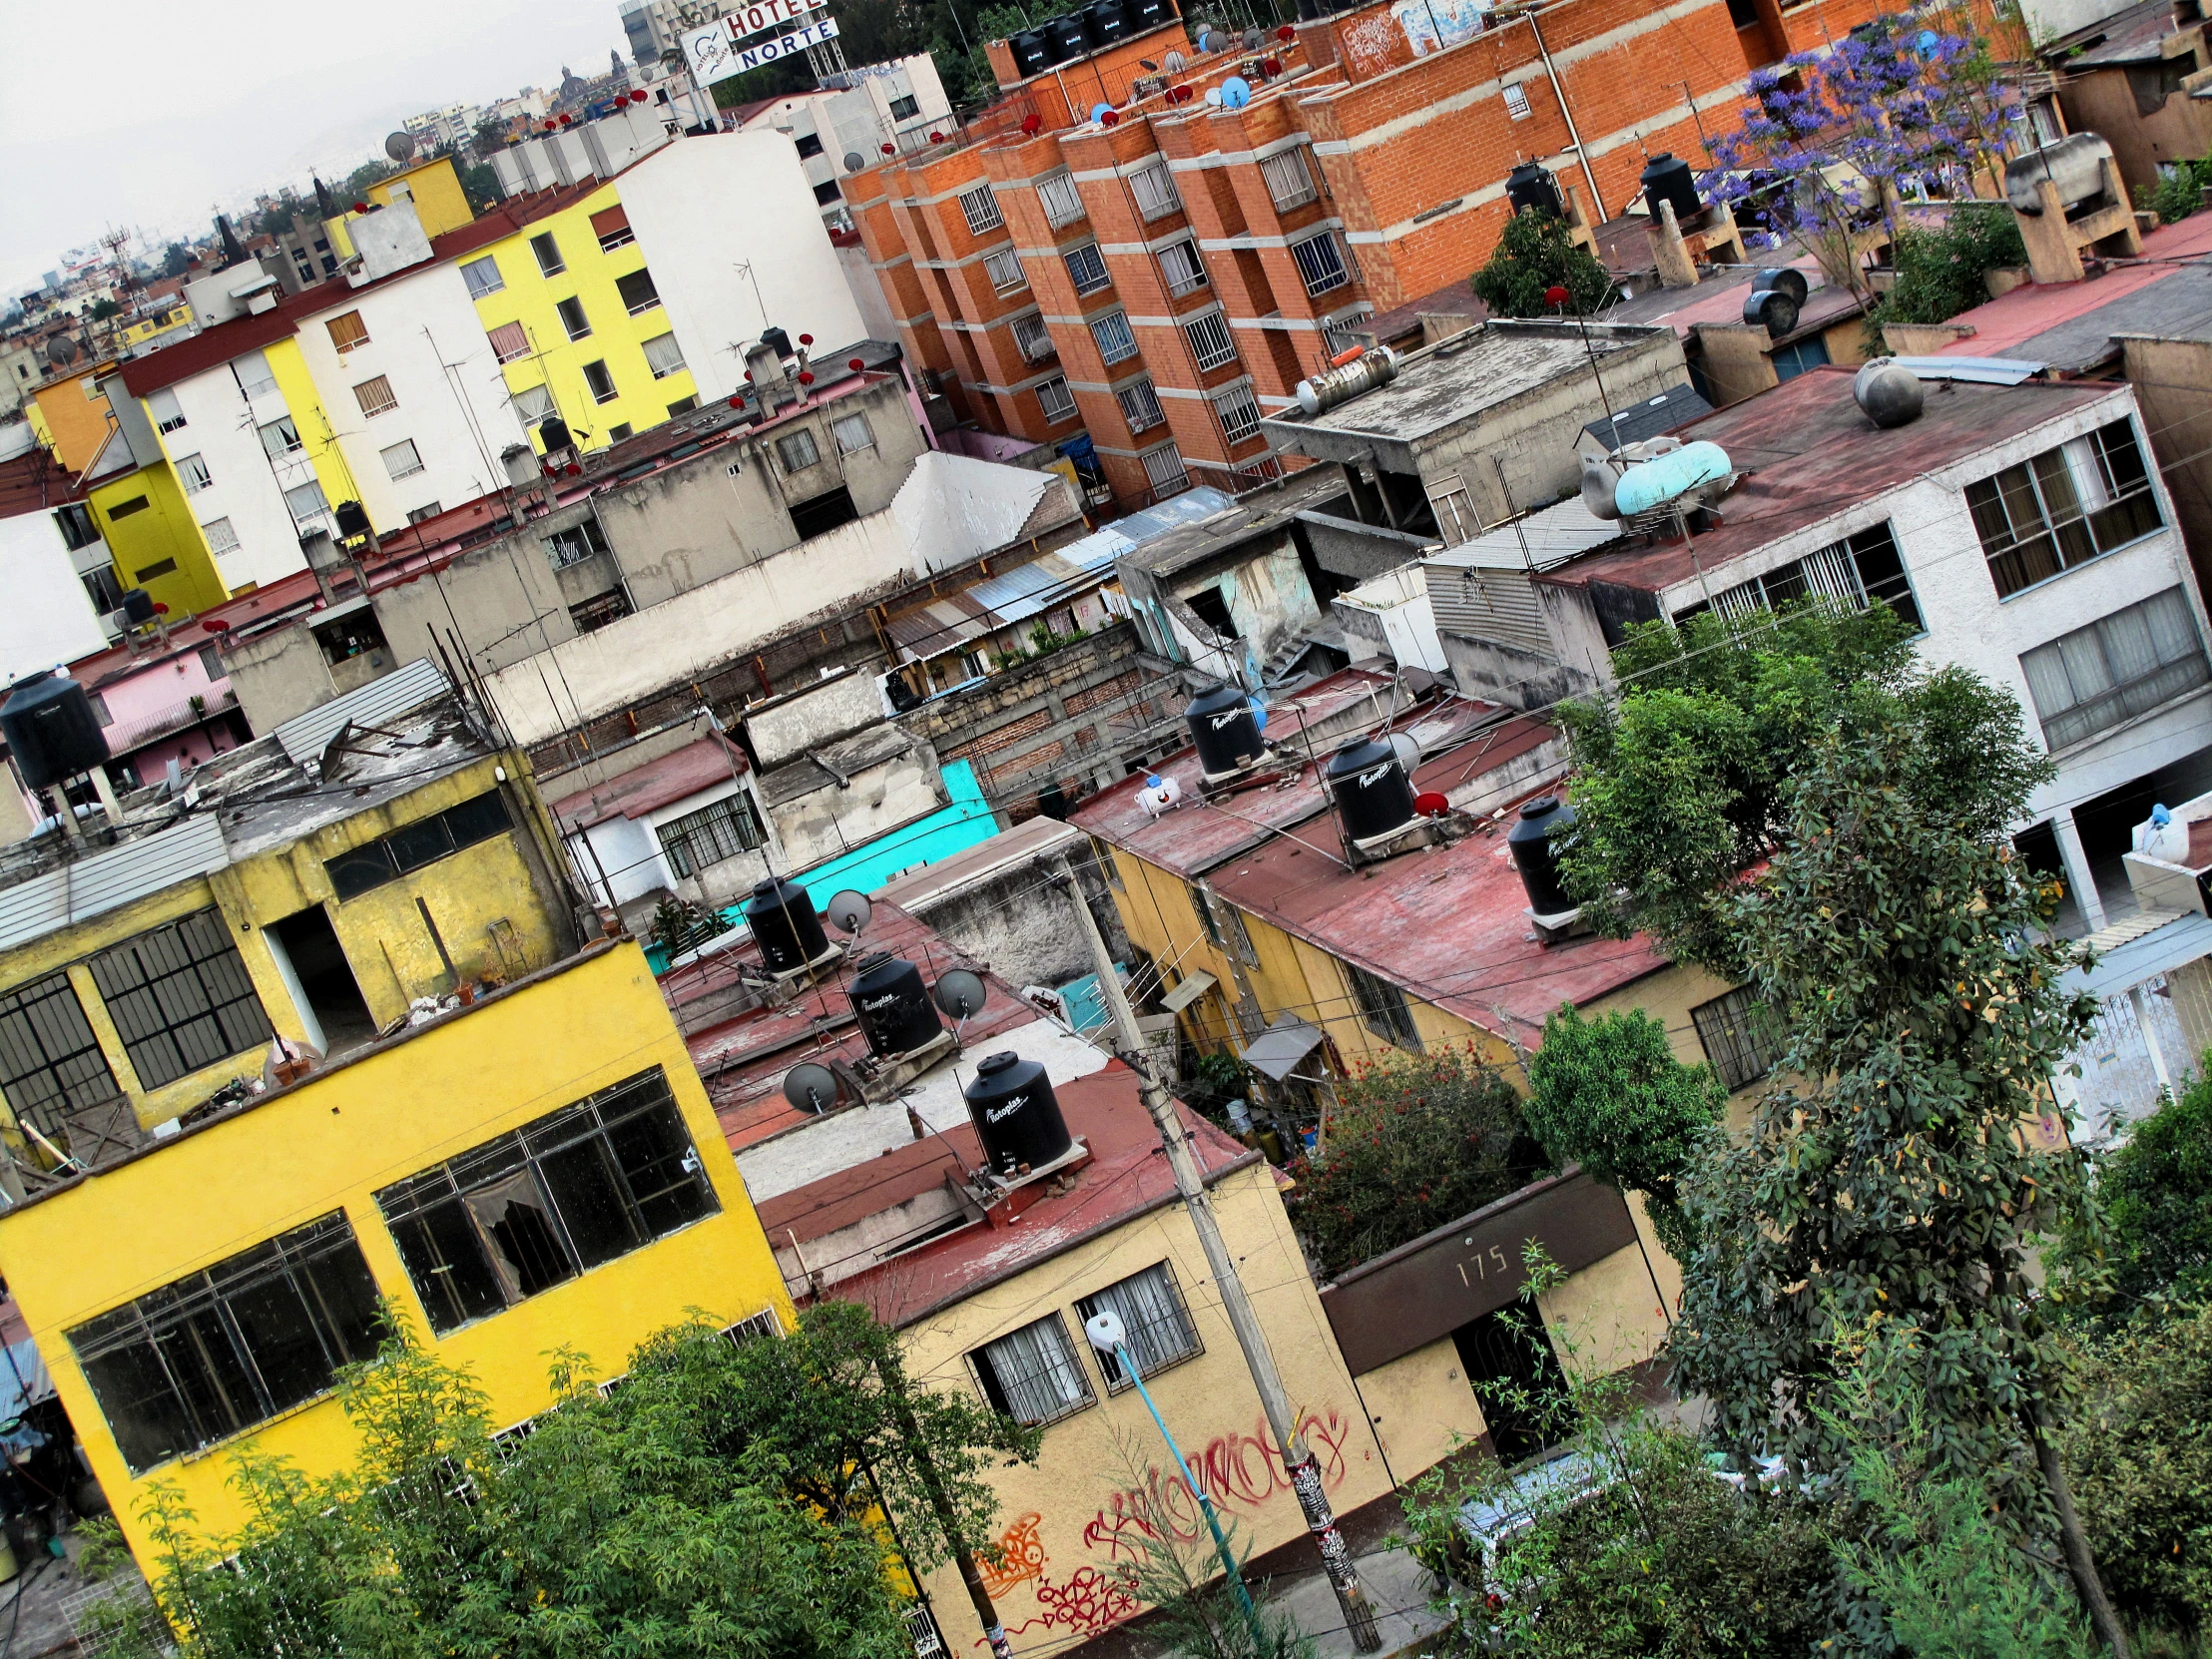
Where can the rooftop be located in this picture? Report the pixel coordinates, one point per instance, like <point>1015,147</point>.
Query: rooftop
<point>2069,326</point>
<point>32,482</point>
<point>2131,36</point>
<point>1235,520</point>
<point>698,766</point>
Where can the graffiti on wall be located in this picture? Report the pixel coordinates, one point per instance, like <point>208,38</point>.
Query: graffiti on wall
<point>1020,1555</point>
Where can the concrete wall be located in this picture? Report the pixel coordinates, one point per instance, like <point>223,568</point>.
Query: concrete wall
<point>789,727</point>
<point>2176,127</point>
<point>2173,383</point>
<point>1499,673</point>
<point>1020,926</point>
<point>48,618</point>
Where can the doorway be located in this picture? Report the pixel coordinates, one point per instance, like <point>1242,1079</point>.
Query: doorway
<point>1509,1362</point>
<point>321,981</point>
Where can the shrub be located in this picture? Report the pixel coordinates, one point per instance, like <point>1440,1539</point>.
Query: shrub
<point>1535,254</point>
<point>1939,272</point>
<point>2155,1189</point>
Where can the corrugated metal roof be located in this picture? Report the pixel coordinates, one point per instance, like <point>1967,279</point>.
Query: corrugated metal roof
<point>1172,514</point>
<point>304,737</point>
<point>111,879</point>
<point>1988,371</point>
<point>2158,949</point>
<point>1543,539</point>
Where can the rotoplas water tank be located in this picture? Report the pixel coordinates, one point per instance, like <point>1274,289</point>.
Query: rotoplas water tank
<point>1534,840</point>
<point>783,919</point>
<point>1016,1115</point>
<point>1224,728</point>
<point>1372,794</point>
<point>51,729</point>
<point>892,1005</point>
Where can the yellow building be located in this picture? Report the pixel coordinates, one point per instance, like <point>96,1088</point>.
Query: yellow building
<point>435,186</point>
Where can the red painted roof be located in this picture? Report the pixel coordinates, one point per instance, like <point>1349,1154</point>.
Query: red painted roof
<point>712,760</point>
<point>2008,322</point>
<point>33,482</point>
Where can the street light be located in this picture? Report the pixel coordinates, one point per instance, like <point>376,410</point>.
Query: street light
<point>1105,1331</point>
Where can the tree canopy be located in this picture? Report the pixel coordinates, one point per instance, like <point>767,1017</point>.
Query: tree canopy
<point>1535,254</point>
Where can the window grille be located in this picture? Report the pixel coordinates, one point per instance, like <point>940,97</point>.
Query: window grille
<point>1140,405</point>
<point>2121,666</point>
<point>593,614</point>
<point>1289,182</point>
<point>1086,268</point>
<point>1163,469</point>
<point>1320,263</point>
<point>1055,399</point>
<point>1063,203</point>
<point>1852,572</point>
<point>51,1064</point>
<point>713,833</point>
<point>179,998</point>
<point>358,869</point>
<point>2064,507</point>
<point>1740,1036</point>
<point>1240,413</point>
<point>1154,189</point>
<point>1033,339</point>
<point>1033,1374</point>
<point>1211,346</point>
<point>1516,101</point>
<point>1115,342</point>
<point>981,209</point>
<point>1383,1008</point>
<point>1157,1326</point>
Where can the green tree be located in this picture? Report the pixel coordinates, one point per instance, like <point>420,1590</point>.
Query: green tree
<point>2156,1191</point>
<point>1940,271</point>
<point>1412,1144</point>
<point>102,310</point>
<point>176,259</point>
<point>1535,254</point>
<point>1608,1094</point>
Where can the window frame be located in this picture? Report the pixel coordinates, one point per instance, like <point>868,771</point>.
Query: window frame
<point>837,425</point>
<point>1222,356</point>
<point>984,1368</point>
<point>1093,276</point>
<point>1724,1026</point>
<point>2117,700</point>
<point>729,822</point>
<point>980,206</point>
<point>1055,418</point>
<point>1384,1008</point>
<point>1048,192</point>
<point>168,413</point>
<point>283,424</point>
<point>652,294</point>
<point>362,395</point>
<point>518,345</point>
<point>470,277</point>
<point>604,373</point>
<point>413,454</point>
<point>1240,393</point>
<point>344,340</point>
<point>659,372</point>
<point>1147,405</point>
<point>31,1014</point>
<point>141,985</point>
<point>999,284</point>
<point>1319,281</point>
<point>1040,344</point>
<point>543,246</point>
<point>788,444</point>
<point>193,473</point>
<point>1298,193</point>
<point>1112,321</point>
<point>1189,283</point>
<point>207,534</point>
<point>1192,1346</point>
<point>369,864</point>
<point>1154,178</point>
<point>1172,484</point>
<point>1991,500</point>
<point>580,327</point>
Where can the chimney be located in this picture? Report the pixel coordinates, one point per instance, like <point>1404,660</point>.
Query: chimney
<point>1676,268</point>
<point>763,366</point>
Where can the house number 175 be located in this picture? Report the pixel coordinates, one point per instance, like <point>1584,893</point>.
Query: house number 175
<point>1483,1260</point>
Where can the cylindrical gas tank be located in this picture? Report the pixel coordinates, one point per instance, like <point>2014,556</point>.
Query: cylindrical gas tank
<point>1223,727</point>
<point>1667,178</point>
<point>1653,483</point>
<point>1372,794</point>
<point>892,1005</point>
<point>2074,164</point>
<point>1016,1115</point>
<point>51,729</point>
<point>783,919</point>
<point>1370,369</point>
<point>1531,185</point>
<point>1535,845</point>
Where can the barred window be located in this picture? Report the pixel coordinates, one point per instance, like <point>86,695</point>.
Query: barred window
<point>1184,269</point>
<point>710,834</point>
<point>1033,337</point>
<point>1383,1008</point>
<point>1063,204</point>
<point>1740,1036</point>
<point>1115,342</point>
<point>179,998</point>
<point>1210,341</point>
<point>482,277</point>
<point>1154,189</point>
<point>1289,182</point>
<point>219,1351</point>
<point>981,209</point>
<point>358,869</point>
<point>536,1206</point>
<point>1240,413</point>
<point>1055,399</point>
<point>1157,1329</point>
<point>51,1064</point>
<point>2064,507</point>
<point>1321,263</point>
<point>664,357</point>
<point>796,450</point>
<point>1140,405</point>
<point>1163,469</point>
<point>1004,271</point>
<point>2121,666</point>
<point>1086,268</point>
<point>1033,1374</point>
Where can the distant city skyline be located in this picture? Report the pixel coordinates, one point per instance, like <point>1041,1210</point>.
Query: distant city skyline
<point>217,101</point>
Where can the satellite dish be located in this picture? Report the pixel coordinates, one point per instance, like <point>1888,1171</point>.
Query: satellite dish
<point>1173,62</point>
<point>1212,97</point>
<point>1407,748</point>
<point>810,1088</point>
<point>854,160</point>
<point>1099,112</point>
<point>61,350</point>
<point>1236,93</point>
<point>1254,39</point>
<point>399,146</point>
<point>959,992</point>
<point>848,911</point>
<point>1208,41</point>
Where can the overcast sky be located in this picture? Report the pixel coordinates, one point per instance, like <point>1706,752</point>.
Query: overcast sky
<point>150,116</point>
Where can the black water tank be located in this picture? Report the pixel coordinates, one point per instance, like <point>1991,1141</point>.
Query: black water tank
<point>1666,178</point>
<point>1531,185</point>
<point>1374,795</point>
<point>1536,853</point>
<point>554,434</point>
<point>1223,727</point>
<point>1148,14</point>
<point>353,521</point>
<point>776,340</point>
<point>1015,1114</point>
<point>1107,21</point>
<point>138,607</point>
<point>1029,49</point>
<point>50,728</point>
<point>782,918</point>
<point>1068,37</point>
<point>892,1005</point>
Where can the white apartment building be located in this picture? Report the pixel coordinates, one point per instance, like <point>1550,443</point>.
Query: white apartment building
<point>855,114</point>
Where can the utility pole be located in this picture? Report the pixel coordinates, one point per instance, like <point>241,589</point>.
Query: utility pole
<point>1299,1462</point>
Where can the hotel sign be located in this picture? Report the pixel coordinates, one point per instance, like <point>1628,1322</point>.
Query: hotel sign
<point>719,50</point>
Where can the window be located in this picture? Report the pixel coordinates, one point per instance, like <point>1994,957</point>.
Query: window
<point>981,209</point>
<point>1240,414</point>
<point>796,450</point>
<point>1063,205</point>
<point>221,537</point>
<point>425,513</point>
<point>1115,342</point>
<point>1154,191</point>
<point>1163,468</point>
<point>1180,264</point>
<point>1516,101</point>
<point>482,277</point>
<point>1055,399</point>
<point>1204,910</point>
<point>611,228</point>
<point>509,342</point>
<point>305,501</point>
<point>1211,346</point>
<point>573,320</point>
<point>818,513</point>
<point>1794,359</point>
<point>1140,404</point>
<point>219,1351</point>
<point>2118,667</point>
<point>1453,509</point>
<point>664,357</point>
<point>348,331</point>
<point>906,108</point>
<point>124,509</point>
<point>601,382</point>
<point>1383,1008</point>
<point>1157,1329</point>
<point>102,589</point>
<point>1086,268</point>
<point>533,405</point>
<point>550,263</point>
<point>594,613</point>
<point>193,471</point>
<point>50,1062</point>
<point>167,413</point>
<point>1320,264</point>
<point>1289,180</point>
<point>75,523</point>
<point>710,834</point>
<point>1854,572</point>
<point>179,998</point>
<point>159,567</point>
<point>521,1214</point>
<point>375,396</point>
<point>372,864</point>
<point>1005,270</point>
<point>1740,1035</point>
<point>256,379</point>
<point>827,192</point>
<point>853,433</point>
<point>1033,337</point>
<point>402,459</point>
<point>682,407</point>
<point>2064,508</point>
<point>638,293</point>
<point>1033,1374</point>
<point>281,437</point>
<point>574,544</point>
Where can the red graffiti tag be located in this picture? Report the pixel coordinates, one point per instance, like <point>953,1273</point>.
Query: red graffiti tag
<point>1241,1470</point>
<point>1090,1600</point>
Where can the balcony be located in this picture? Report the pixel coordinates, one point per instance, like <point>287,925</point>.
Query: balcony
<point>124,738</point>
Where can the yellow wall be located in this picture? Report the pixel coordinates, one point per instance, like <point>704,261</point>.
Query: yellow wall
<point>439,201</point>
<point>328,1144</point>
<point>164,529</point>
<point>74,426</point>
<point>617,339</point>
<point>159,326</point>
<point>316,436</point>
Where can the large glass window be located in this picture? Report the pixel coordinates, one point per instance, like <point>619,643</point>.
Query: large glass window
<point>424,842</point>
<point>179,998</point>
<point>50,1062</point>
<point>524,1212</point>
<point>1157,1327</point>
<point>2118,667</point>
<point>226,1348</point>
<point>710,834</point>
<point>1032,1375</point>
<point>2063,507</point>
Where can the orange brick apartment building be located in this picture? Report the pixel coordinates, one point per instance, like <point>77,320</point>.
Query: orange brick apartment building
<point>1159,281</point>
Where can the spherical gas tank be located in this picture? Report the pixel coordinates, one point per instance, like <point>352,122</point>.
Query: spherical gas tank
<point>1372,794</point>
<point>1535,848</point>
<point>51,729</point>
<point>892,1005</point>
<point>1016,1115</point>
<point>783,919</point>
<point>1223,727</point>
